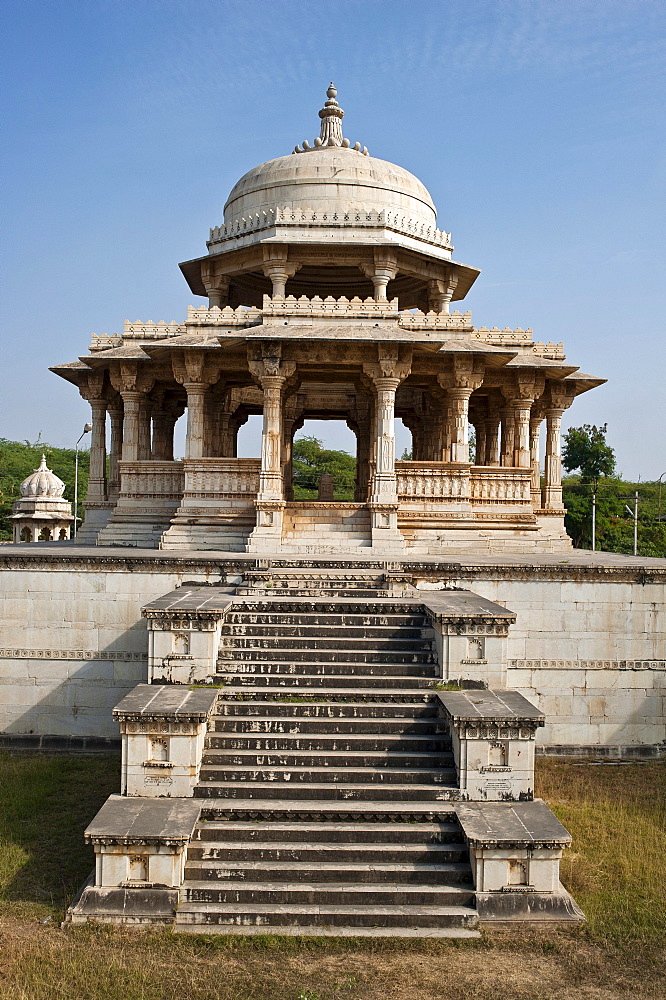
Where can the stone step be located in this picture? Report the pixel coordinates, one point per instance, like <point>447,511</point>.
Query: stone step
<point>456,920</point>
<point>341,643</point>
<point>331,670</point>
<point>295,681</point>
<point>380,634</point>
<point>338,791</point>
<point>328,813</point>
<point>273,874</point>
<point>297,758</point>
<point>278,774</point>
<point>324,710</point>
<point>317,894</point>
<point>292,724</point>
<point>333,696</point>
<point>235,654</point>
<point>220,740</point>
<point>313,617</point>
<point>330,836</point>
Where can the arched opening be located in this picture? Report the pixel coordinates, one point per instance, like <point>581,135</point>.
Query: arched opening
<point>45,535</point>
<point>404,445</point>
<point>62,536</point>
<point>25,535</point>
<point>248,441</point>
<point>322,465</point>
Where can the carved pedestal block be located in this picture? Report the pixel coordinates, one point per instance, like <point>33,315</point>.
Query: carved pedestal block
<point>163,730</point>
<point>140,847</point>
<point>515,851</point>
<point>493,736</point>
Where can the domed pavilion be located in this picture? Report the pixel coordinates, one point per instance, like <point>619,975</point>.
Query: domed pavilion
<point>329,292</point>
<point>42,514</point>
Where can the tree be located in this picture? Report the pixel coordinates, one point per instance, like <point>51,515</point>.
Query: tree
<point>585,449</point>
<point>311,461</point>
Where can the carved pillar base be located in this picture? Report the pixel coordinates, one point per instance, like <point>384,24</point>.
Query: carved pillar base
<point>267,534</point>
<point>384,527</point>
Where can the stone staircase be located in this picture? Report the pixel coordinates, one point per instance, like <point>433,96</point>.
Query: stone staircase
<point>310,527</point>
<point>327,779</point>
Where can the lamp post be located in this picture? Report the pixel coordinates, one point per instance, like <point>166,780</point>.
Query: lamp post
<point>86,430</point>
<point>659,503</point>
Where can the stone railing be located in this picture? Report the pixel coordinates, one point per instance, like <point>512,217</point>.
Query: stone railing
<point>286,216</point>
<point>493,485</point>
<point>155,480</point>
<point>222,478</point>
<point>242,316</point>
<point>432,481</point>
<point>329,307</point>
<point>519,338</point>
<point>418,320</point>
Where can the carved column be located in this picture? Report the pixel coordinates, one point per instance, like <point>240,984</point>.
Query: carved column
<point>196,402</point>
<point>97,474</point>
<point>383,270</point>
<point>508,425</point>
<point>480,434</point>
<point>271,374</point>
<point>132,383</point>
<point>278,269</point>
<point>115,450</point>
<point>144,436</point>
<point>536,417</point>
<point>394,364</point>
<point>440,292</point>
<point>196,373</point>
<point>492,426</point>
<point>527,387</point>
<point>552,491</point>
<point>465,376</point>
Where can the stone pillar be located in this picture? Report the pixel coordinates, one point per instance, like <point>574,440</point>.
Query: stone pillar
<point>492,426</point>
<point>465,376</point>
<point>552,490</point>
<point>97,475</point>
<point>131,404</point>
<point>196,402</point>
<point>272,375</point>
<point>535,433</point>
<point>521,450</point>
<point>217,290</point>
<point>394,365</point>
<point>115,451</point>
<point>278,269</point>
<point>440,293</point>
<point>480,432</point>
<point>459,401</point>
<point>508,434</point>
<point>385,270</point>
<point>364,441</point>
<point>144,436</point>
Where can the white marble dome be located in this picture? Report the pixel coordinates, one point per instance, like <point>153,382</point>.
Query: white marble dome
<point>43,483</point>
<point>331,179</point>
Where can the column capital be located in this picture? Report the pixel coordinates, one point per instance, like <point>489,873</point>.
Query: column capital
<point>92,386</point>
<point>129,376</point>
<point>194,367</point>
<point>394,361</point>
<point>467,372</point>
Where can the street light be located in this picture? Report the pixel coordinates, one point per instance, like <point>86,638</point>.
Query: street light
<point>86,430</point>
<point>659,504</point>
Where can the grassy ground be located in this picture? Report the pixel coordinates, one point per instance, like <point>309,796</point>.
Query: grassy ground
<point>616,814</point>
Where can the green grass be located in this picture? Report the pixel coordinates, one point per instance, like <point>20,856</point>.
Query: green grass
<point>615,870</point>
<point>46,802</point>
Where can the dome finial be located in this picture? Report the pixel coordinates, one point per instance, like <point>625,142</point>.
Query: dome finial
<point>331,126</point>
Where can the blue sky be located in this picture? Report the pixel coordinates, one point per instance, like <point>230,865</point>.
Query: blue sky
<point>537,126</point>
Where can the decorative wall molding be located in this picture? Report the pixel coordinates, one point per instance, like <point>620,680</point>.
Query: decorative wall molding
<point>70,654</point>
<point>587,664</point>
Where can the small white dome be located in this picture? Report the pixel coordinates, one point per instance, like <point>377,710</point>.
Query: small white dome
<point>42,483</point>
